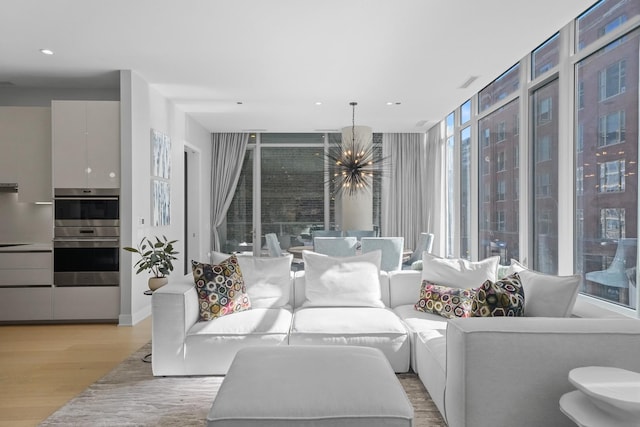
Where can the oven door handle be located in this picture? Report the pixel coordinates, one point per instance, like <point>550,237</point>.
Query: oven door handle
<point>86,243</point>
<point>86,198</point>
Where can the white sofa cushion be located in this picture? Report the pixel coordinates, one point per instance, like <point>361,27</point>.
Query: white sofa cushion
<point>546,295</point>
<point>457,272</point>
<point>362,326</point>
<point>257,321</point>
<point>342,281</point>
<point>268,280</point>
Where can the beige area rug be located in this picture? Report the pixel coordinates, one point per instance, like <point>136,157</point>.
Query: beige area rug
<point>131,396</point>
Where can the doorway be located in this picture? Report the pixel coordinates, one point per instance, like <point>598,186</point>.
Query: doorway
<point>191,232</point>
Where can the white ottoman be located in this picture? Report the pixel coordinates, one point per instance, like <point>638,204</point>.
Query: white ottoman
<point>310,386</point>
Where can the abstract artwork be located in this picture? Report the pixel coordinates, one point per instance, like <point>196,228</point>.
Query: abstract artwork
<point>160,154</point>
<point>160,179</point>
<point>160,203</point>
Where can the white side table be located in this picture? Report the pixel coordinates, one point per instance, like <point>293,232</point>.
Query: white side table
<point>606,397</point>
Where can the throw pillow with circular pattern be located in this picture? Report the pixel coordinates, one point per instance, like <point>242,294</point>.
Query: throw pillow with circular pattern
<point>445,301</point>
<point>504,297</point>
<point>221,288</point>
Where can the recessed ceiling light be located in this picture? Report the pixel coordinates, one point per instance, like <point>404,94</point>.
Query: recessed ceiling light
<point>46,51</point>
<point>394,103</point>
<point>318,103</point>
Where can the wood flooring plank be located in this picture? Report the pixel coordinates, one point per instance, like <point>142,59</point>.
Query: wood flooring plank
<point>44,366</point>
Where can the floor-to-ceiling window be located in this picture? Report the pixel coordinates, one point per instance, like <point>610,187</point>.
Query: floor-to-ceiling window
<point>498,139</point>
<point>577,152</point>
<point>544,138</point>
<point>285,188</point>
<point>606,160</point>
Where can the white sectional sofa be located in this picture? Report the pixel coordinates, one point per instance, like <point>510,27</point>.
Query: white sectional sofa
<point>479,371</point>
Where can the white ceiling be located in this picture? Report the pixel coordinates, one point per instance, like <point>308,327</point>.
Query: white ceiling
<point>279,57</point>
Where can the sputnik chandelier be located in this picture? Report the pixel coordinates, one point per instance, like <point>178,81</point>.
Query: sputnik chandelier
<point>353,160</point>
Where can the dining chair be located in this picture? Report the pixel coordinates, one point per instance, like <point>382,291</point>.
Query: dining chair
<point>425,244</point>
<point>324,233</point>
<point>359,234</point>
<point>335,246</point>
<point>392,249</point>
<point>273,246</point>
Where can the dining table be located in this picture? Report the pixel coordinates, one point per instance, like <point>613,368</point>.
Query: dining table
<point>296,251</point>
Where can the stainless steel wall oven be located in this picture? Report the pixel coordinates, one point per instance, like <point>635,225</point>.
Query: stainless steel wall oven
<point>86,243</point>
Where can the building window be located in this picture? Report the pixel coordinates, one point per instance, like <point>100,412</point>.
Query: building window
<point>580,138</point>
<point>579,180</point>
<point>501,222</point>
<point>611,129</point>
<point>516,156</point>
<point>612,221</point>
<point>501,190</point>
<point>544,111</point>
<point>486,137</point>
<point>500,162</point>
<point>612,25</point>
<point>501,131</point>
<point>580,95</point>
<point>612,177</point>
<point>612,80</point>
<point>543,185</point>
<point>543,148</point>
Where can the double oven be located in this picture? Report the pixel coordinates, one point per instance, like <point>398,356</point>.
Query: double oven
<point>86,243</point>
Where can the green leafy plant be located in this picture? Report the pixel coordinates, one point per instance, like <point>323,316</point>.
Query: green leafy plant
<point>155,257</point>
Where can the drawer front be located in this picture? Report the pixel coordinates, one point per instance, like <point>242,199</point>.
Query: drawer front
<point>25,304</point>
<point>26,277</point>
<point>26,260</point>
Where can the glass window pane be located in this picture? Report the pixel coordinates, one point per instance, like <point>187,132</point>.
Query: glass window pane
<point>451,200</point>
<point>500,88</point>
<point>498,196</point>
<point>545,57</point>
<point>604,17</point>
<point>465,112</point>
<point>237,233</point>
<point>606,180</point>
<point>465,193</point>
<point>292,192</point>
<point>545,173</point>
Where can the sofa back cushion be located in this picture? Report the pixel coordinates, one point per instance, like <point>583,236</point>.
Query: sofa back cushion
<point>341,281</point>
<point>457,272</point>
<point>268,280</point>
<point>547,295</point>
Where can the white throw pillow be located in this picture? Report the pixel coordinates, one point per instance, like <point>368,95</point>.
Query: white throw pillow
<point>342,281</point>
<point>458,273</point>
<point>268,280</point>
<point>515,267</point>
<point>547,295</point>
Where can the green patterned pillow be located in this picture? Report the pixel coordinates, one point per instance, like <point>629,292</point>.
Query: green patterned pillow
<point>445,301</point>
<point>504,297</point>
<point>221,288</point>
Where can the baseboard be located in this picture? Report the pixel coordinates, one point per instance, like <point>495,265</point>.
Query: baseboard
<point>135,318</point>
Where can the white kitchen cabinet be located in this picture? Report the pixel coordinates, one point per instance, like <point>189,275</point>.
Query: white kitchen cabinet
<point>26,280</point>
<point>86,144</point>
<point>25,304</point>
<point>86,303</point>
<point>25,138</point>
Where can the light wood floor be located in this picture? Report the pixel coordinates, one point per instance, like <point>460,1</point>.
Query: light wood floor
<point>44,366</point>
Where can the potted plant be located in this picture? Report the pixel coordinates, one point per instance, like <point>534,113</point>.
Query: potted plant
<point>156,258</point>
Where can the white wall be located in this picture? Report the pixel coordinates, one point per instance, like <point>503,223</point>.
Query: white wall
<point>143,109</point>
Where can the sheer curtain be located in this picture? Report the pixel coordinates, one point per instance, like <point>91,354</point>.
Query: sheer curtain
<point>414,189</point>
<point>227,155</point>
<point>435,195</point>
<point>403,210</point>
